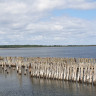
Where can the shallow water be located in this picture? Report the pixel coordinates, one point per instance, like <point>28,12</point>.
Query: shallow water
<point>13,84</point>
<point>82,52</point>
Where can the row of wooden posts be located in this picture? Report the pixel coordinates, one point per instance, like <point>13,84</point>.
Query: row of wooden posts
<point>72,69</point>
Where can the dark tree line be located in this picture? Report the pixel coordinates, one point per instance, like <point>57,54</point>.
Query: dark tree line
<point>20,46</point>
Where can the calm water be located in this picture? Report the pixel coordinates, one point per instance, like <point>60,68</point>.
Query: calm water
<point>13,84</point>
<point>83,52</point>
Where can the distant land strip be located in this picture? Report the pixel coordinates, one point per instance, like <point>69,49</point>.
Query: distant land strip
<point>21,46</point>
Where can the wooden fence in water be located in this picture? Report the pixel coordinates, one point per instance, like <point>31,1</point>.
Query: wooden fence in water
<point>72,69</point>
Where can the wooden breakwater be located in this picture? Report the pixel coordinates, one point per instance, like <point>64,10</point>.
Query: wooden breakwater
<point>72,69</point>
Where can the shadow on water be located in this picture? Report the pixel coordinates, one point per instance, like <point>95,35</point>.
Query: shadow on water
<point>12,84</point>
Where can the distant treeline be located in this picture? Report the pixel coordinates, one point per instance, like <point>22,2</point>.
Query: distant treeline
<point>20,46</point>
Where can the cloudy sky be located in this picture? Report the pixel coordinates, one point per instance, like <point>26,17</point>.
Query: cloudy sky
<point>48,22</point>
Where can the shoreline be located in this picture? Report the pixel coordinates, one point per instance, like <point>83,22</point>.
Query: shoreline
<point>37,46</point>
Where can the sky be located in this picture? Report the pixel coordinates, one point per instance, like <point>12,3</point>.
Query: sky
<point>48,22</point>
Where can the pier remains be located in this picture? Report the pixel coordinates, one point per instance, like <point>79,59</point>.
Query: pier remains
<point>71,69</point>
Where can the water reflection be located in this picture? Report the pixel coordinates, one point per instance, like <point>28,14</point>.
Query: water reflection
<point>12,84</point>
<point>64,87</point>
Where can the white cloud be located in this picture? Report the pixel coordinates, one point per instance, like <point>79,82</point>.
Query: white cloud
<point>13,7</point>
<point>60,30</point>
<point>22,6</point>
<point>22,21</point>
<point>2,32</point>
<point>57,27</point>
<point>42,5</point>
<point>38,37</point>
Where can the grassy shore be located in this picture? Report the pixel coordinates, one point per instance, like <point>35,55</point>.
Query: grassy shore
<point>21,46</point>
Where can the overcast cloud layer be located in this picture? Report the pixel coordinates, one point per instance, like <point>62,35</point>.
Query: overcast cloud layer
<point>33,22</point>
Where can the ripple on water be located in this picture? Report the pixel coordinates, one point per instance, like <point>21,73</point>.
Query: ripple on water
<point>13,84</point>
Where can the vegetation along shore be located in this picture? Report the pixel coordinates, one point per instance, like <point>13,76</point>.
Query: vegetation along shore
<point>21,46</point>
